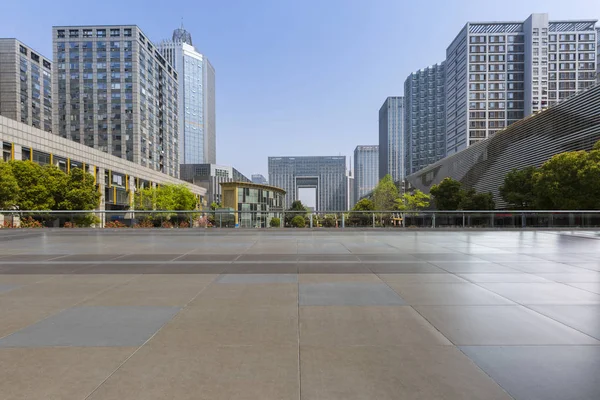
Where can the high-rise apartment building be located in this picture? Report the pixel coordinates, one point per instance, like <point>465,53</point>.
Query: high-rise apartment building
<point>391,138</point>
<point>25,85</point>
<point>366,170</point>
<point>259,178</point>
<point>327,175</point>
<point>424,118</point>
<point>598,54</point>
<point>114,91</point>
<point>197,117</point>
<point>499,72</point>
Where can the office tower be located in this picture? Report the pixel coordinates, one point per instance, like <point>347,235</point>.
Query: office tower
<point>327,175</point>
<point>25,85</point>
<point>424,118</point>
<point>499,72</point>
<point>259,178</point>
<point>366,170</point>
<point>210,176</point>
<point>114,91</point>
<point>391,138</point>
<point>197,118</point>
<point>350,200</point>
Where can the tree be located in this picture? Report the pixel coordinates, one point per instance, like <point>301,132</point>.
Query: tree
<point>34,193</point>
<point>80,191</point>
<point>517,190</point>
<point>299,210</point>
<point>447,195</point>
<point>569,181</point>
<point>471,200</point>
<point>167,197</point>
<point>275,222</point>
<point>361,218</point>
<point>364,205</point>
<point>9,187</point>
<point>298,221</point>
<point>413,201</point>
<point>56,182</point>
<point>385,194</point>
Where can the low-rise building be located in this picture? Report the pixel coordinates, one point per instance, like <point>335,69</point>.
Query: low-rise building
<point>118,179</point>
<point>253,205</point>
<point>210,176</point>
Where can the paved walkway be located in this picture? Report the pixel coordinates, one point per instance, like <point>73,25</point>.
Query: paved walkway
<point>299,314</point>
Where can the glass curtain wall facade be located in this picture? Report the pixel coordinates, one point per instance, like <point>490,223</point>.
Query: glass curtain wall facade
<point>259,178</point>
<point>391,138</point>
<point>326,174</point>
<point>424,118</point>
<point>500,72</point>
<point>115,92</point>
<point>366,170</point>
<point>197,117</point>
<point>25,85</point>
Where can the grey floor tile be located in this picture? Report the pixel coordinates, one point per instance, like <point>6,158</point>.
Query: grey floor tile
<point>500,325</point>
<point>93,327</point>
<point>584,318</point>
<point>403,268</point>
<point>447,294</point>
<point>4,288</point>
<point>474,268</point>
<point>503,278</point>
<point>542,293</point>
<point>348,294</point>
<point>593,287</point>
<point>542,373</point>
<point>258,278</point>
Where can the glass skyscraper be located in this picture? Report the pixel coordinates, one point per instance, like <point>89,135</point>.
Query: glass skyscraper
<point>326,174</point>
<point>115,92</point>
<point>391,138</point>
<point>197,117</point>
<point>424,118</point>
<point>366,170</point>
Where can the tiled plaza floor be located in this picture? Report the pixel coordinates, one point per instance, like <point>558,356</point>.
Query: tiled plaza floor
<point>299,314</point>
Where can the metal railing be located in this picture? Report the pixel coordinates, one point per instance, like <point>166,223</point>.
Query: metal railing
<point>227,218</point>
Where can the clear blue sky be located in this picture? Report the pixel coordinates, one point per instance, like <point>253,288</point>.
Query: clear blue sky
<point>293,77</point>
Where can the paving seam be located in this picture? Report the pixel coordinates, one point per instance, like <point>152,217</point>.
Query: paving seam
<point>298,334</point>
<point>457,347</point>
<point>149,339</point>
<point>548,304</point>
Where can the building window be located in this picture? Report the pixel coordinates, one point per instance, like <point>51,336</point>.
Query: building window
<point>115,32</point>
<point>73,33</point>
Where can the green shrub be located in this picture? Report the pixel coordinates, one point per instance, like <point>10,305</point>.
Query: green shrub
<point>275,222</point>
<point>298,221</point>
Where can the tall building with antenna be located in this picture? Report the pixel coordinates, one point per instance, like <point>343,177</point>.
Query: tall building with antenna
<point>197,116</point>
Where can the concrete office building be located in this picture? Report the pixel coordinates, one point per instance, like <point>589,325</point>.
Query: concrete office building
<point>568,126</point>
<point>391,138</point>
<point>424,118</point>
<point>366,170</point>
<point>115,92</point>
<point>499,72</point>
<point>259,178</point>
<point>327,175</point>
<point>25,85</point>
<point>118,179</point>
<point>197,116</point>
<point>210,177</point>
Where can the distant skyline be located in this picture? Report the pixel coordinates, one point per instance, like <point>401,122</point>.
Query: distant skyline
<point>294,78</point>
